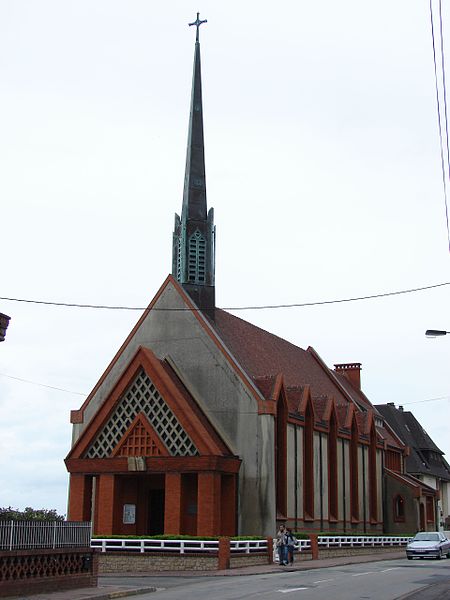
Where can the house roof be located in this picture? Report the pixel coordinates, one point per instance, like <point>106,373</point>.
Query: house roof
<point>411,481</point>
<point>425,457</point>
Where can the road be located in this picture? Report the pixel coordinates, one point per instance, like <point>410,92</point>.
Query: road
<point>381,580</point>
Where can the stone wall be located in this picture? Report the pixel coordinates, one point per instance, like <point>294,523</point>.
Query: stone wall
<point>248,560</point>
<point>126,562</point>
<point>332,552</point>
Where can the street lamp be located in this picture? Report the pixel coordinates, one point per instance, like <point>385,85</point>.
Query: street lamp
<point>4,322</point>
<point>435,332</point>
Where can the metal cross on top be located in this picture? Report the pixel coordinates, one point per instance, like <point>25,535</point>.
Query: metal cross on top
<point>197,23</point>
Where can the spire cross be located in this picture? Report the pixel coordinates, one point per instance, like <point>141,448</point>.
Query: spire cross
<point>197,23</point>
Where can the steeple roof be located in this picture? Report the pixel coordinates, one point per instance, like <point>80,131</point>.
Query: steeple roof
<point>193,249</point>
<point>194,194</point>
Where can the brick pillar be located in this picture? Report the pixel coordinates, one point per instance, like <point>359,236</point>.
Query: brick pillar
<point>314,546</point>
<point>80,497</point>
<point>106,509</point>
<point>172,504</point>
<point>208,518</point>
<point>270,550</point>
<point>224,553</point>
<point>228,505</point>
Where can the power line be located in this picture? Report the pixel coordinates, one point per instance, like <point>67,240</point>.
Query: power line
<point>439,398</point>
<point>439,107</point>
<point>235,308</point>
<point>427,400</point>
<point>42,384</point>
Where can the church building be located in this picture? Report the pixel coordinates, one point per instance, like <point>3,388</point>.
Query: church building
<point>205,424</point>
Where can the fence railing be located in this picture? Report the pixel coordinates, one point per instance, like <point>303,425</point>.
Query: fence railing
<point>361,541</point>
<point>348,541</point>
<point>18,535</point>
<point>177,546</point>
<point>247,546</point>
<point>241,546</point>
<point>150,545</point>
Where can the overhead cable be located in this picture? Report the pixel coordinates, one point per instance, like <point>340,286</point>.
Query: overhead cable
<point>441,136</point>
<point>235,308</point>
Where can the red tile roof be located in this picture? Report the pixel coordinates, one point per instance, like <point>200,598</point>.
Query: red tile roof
<point>263,354</point>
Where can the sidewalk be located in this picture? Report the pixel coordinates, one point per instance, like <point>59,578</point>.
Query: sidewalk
<point>110,592</point>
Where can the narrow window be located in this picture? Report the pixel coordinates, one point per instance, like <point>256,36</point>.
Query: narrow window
<point>281,455</point>
<point>373,492</point>
<point>399,508</point>
<point>332,469</point>
<point>308,464</point>
<point>354,492</point>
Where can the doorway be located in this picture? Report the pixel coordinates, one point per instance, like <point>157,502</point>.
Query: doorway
<point>422,517</point>
<point>155,515</point>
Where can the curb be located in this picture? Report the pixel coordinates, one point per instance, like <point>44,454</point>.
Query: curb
<point>435,589</point>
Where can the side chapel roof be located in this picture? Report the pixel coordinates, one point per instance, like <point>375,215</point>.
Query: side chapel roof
<point>425,457</point>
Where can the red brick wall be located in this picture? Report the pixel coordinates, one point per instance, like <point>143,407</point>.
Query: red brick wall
<point>208,522</point>
<point>173,503</point>
<point>106,521</point>
<point>80,495</point>
<point>228,505</point>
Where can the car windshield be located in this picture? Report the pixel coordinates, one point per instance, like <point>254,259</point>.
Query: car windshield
<point>426,537</point>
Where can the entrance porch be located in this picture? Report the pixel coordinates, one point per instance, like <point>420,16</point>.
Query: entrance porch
<point>141,503</point>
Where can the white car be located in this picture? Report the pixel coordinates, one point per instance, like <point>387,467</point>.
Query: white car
<point>426,544</point>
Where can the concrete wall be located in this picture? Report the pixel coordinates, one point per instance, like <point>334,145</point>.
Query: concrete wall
<point>393,487</point>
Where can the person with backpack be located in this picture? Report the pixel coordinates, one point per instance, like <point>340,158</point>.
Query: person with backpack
<point>290,540</point>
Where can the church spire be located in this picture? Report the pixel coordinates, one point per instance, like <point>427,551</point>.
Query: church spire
<point>193,258</point>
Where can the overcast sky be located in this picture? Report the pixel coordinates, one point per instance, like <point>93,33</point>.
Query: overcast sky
<point>322,165</point>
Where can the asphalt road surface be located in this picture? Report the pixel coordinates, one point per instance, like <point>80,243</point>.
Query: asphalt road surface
<point>381,580</point>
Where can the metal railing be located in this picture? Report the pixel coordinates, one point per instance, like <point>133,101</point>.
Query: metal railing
<point>19,535</point>
<point>348,541</point>
<point>150,545</point>
<point>247,546</point>
<point>362,541</point>
<point>177,546</point>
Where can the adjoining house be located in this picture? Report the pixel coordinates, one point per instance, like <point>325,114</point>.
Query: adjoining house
<point>206,424</point>
<point>426,466</point>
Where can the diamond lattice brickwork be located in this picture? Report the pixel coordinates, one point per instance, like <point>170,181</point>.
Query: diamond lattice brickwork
<point>142,396</point>
<point>140,441</point>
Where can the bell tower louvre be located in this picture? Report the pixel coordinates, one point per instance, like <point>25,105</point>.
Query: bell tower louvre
<point>193,259</point>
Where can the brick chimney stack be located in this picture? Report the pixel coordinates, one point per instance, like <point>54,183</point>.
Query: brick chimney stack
<point>352,372</point>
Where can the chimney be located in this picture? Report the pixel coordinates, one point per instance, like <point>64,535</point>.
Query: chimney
<point>352,372</point>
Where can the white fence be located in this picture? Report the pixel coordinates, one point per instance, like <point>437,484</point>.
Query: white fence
<point>348,541</point>
<point>19,535</point>
<point>241,546</point>
<point>177,546</point>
